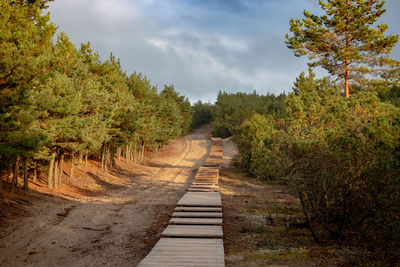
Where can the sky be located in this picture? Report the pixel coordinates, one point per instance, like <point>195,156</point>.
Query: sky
<point>199,46</point>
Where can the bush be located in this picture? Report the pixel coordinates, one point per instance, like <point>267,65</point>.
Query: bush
<point>345,165</point>
<point>342,156</point>
<point>256,140</point>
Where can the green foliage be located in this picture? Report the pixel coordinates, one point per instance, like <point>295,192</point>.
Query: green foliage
<point>341,155</point>
<point>391,95</point>
<point>344,162</point>
<point>231,110</point>
<point>256,143</point>
<point>184,108</point>
<point>26,37</point>
<point>346,41</point>
<point>57,100</point>
<point>202,113</point>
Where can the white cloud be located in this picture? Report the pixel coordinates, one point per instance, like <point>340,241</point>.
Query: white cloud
<point>114,11</point>
<point>159,43</point>
<point>199,48</point>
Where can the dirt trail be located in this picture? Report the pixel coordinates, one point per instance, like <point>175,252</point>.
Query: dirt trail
<point>117,228</point>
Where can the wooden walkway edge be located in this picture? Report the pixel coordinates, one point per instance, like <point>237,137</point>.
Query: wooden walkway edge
<point>194,234</point>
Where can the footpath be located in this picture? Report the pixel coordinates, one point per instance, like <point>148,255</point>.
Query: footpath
<point>194,235</point>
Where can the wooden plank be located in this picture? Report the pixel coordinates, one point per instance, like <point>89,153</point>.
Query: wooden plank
<point>199,183</point>
<point>185,252</point>
<point>205,209</point>
<point>208,170</point>
<point>203,190</point>
<point>205,181</point>
<point>203,186</point>
<point>187,214</point>
<point>212,164</point>
<point>196,221</point>
<point>193,231</point>
<point>216,155</point>
<point>207,175</point>
<point>207,199</point>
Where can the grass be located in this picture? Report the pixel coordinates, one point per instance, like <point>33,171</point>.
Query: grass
<point>257,225</point>
<point>264,226</point>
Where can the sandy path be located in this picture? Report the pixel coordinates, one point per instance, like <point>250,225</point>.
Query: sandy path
<point>113,230</point>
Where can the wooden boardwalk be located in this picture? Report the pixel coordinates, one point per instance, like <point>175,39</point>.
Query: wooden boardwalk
<point>194,234</point>
<point>201,199</point>
<point>186,252</point>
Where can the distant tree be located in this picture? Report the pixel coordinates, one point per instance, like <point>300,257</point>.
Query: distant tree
<point>231,110</point>
<point>184,106</point>
<point>346,41</point>
<point>391,95</point>
<point>202,113</point>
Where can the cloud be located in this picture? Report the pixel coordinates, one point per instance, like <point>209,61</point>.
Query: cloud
<point>200,46</point>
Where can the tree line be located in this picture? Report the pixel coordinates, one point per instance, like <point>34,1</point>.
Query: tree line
<point>59,103</point>
<point>337,143</point>
<point>231,110</point>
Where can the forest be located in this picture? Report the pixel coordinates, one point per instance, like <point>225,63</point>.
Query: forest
<point>59,103</point>
<point>335,141</point>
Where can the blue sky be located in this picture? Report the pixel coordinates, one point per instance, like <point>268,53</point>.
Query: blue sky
<point>200,46</point>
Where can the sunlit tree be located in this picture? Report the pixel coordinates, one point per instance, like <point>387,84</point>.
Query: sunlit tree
<point>346,41</point>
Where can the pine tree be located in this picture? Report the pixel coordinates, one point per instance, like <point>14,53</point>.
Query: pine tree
<point>26,37</point>
<point>185,109</point>
<point>346,41</point>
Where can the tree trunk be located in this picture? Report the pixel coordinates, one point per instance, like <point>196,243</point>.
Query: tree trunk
<point>80,160</point>
<point>102,156</point>
<point>128,153</point>
<point>51,172</point>
<point>86,160</point>
<point>15,177</point>
<point>134,154</point>
<point>113,156</point>
<point>60,173</point>
<point>34,171</point>
<point>56,170</point>
<point>1,182</point>
<point>346,81</point>
<point>347,62</point>
<point>111,153</point>
<point>105,159</point>
<point>26,182</point>
<point>9,174</point>
<point>71,170</point>
<point>143,154</point>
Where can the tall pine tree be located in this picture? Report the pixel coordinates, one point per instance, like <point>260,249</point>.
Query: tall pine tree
<point>26,38</point>
<point>346,41</point>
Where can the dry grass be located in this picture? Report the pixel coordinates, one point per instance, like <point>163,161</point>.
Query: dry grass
<point>263,226</point>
